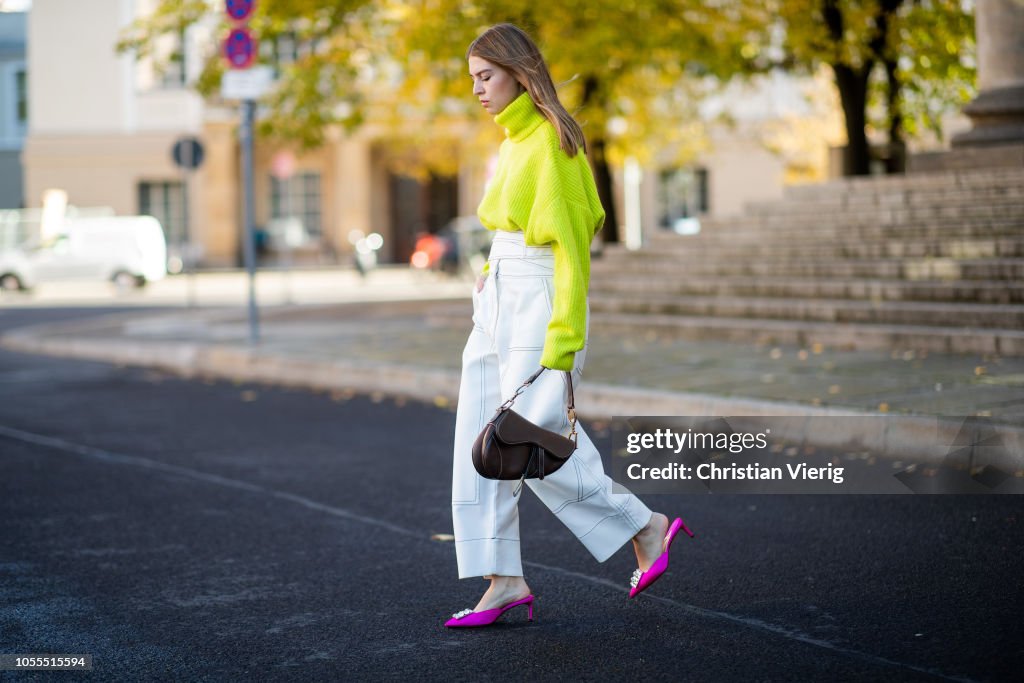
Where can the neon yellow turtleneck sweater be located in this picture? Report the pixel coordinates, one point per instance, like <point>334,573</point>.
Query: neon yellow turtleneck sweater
<point>552,199</point>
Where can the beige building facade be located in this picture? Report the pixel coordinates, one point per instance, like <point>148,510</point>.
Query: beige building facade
<point>102,126</point>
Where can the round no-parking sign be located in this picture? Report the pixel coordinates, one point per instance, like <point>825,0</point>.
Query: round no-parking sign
<point>240,48</point>
<point>239,10</point>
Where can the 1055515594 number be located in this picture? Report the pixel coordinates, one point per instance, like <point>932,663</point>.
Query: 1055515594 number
<point>36,662</point>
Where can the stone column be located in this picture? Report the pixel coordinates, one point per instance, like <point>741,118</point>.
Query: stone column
<point>219,176</point>
<point>352,193</point>
<point>998,111</point>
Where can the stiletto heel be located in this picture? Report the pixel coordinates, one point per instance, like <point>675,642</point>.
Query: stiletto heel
<point>468,617</point>
<point>642,580</point>
<point>686,528</point>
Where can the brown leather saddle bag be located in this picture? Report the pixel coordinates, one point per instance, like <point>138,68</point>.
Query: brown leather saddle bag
<point>511,447</point>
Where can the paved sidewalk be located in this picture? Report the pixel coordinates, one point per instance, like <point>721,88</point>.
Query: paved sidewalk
<point>414,348</point>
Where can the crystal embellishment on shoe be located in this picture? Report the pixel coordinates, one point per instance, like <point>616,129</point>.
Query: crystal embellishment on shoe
<point>643,579</point>
<point>468,617</point>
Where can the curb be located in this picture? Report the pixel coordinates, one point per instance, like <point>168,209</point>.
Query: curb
<point>914,437</point>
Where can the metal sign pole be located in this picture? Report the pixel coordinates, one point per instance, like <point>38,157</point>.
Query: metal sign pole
<point>248,245</point>
<point>287,240</point>
<point>185,239</point>
<point>247,83</point>
<point>189,262</point>
<point>188,156</point>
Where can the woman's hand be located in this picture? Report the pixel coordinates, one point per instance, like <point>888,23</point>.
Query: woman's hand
<point>480,280</point>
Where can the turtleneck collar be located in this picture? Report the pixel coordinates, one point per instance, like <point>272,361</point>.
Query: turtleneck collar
<point>520,118</point>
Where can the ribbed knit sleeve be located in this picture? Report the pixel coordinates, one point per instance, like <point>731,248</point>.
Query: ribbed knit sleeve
<point>568,226</point>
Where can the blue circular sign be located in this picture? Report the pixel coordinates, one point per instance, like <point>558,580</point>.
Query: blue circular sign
<point>240,10</point>
<point>187,153</point>
<point>240,48</point>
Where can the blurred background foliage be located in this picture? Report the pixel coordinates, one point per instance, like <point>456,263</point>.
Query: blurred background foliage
<point>632,72</point>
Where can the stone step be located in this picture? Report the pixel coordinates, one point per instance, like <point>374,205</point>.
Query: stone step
<point>746,236</point>
<point>954,204</point>
<point>1010,270</point>
<point>781,251</point>
<point>849,207</point>
<point>805,333</point>
<point>931,262</point>
<point>944,314</point>
<point>988,292</point>
<point>942,181</point>
<point>1009,193</point>
<point>745,228</point>
<point>924,183</point>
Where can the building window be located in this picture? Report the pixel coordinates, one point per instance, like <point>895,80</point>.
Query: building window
<point>168,203</point>
<point>13,104</point>
<point>682,193</point>
<point>298,197</point>
<point>21,98</point>
<point>173,70</point>
<point>283,50</point>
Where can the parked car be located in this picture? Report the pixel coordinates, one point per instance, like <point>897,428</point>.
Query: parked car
<point>459,248</point>
<point>473,242</point>
<point>437,252</point>
<point>125,250</point>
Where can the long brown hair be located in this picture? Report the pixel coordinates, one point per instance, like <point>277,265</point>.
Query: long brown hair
<point>509,47</point>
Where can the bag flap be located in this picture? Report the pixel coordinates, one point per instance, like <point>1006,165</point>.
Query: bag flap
<point>513,428</point>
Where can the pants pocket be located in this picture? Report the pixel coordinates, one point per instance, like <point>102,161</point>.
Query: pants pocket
<point>479,317</point>
<point>526,307</point>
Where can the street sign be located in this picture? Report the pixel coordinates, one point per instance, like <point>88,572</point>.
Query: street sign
<point>240,48</point>
<point>247,84</point>
<point>239,10</point>
<point>187,153</point>
<point>250,84</point>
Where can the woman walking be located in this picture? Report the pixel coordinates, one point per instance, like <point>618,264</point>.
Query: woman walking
<point>530,309</point>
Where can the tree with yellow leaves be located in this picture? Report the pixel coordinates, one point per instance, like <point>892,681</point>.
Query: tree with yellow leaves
<point>912,58</point>
<point>631,71</point>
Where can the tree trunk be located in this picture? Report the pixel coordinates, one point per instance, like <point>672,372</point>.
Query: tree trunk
<point>896,159</point>
<point>897,162</point>
<point>603,179</point>
<point>602,174</point>
<point>853,92</point>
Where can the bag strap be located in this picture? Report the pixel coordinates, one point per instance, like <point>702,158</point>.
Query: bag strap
<point>570,411</point>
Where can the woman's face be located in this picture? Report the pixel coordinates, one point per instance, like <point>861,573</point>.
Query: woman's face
<point>493,86</point>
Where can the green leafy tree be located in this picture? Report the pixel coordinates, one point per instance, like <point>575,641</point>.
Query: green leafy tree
<point>601,54</point>
<point>631,71</point>
<point>317,47</point>
<point>913,59</point>
<point>401,66</point>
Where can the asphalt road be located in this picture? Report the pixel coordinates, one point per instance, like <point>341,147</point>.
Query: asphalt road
<point>199,530</point>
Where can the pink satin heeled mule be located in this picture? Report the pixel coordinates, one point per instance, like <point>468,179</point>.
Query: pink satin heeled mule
<point>468,617</point>
<point>643,579</point>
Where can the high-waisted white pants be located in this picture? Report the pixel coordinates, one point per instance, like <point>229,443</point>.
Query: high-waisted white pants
<point>510,318</point>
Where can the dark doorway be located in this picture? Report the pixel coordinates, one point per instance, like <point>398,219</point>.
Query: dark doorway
<point>418,206</point>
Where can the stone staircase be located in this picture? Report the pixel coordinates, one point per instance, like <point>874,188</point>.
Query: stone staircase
<point>930,262</point>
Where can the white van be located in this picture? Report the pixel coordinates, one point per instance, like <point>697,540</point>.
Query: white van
<point>125,250</point>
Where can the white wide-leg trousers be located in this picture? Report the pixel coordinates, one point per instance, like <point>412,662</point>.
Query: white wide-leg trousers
<point>510,318</point>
